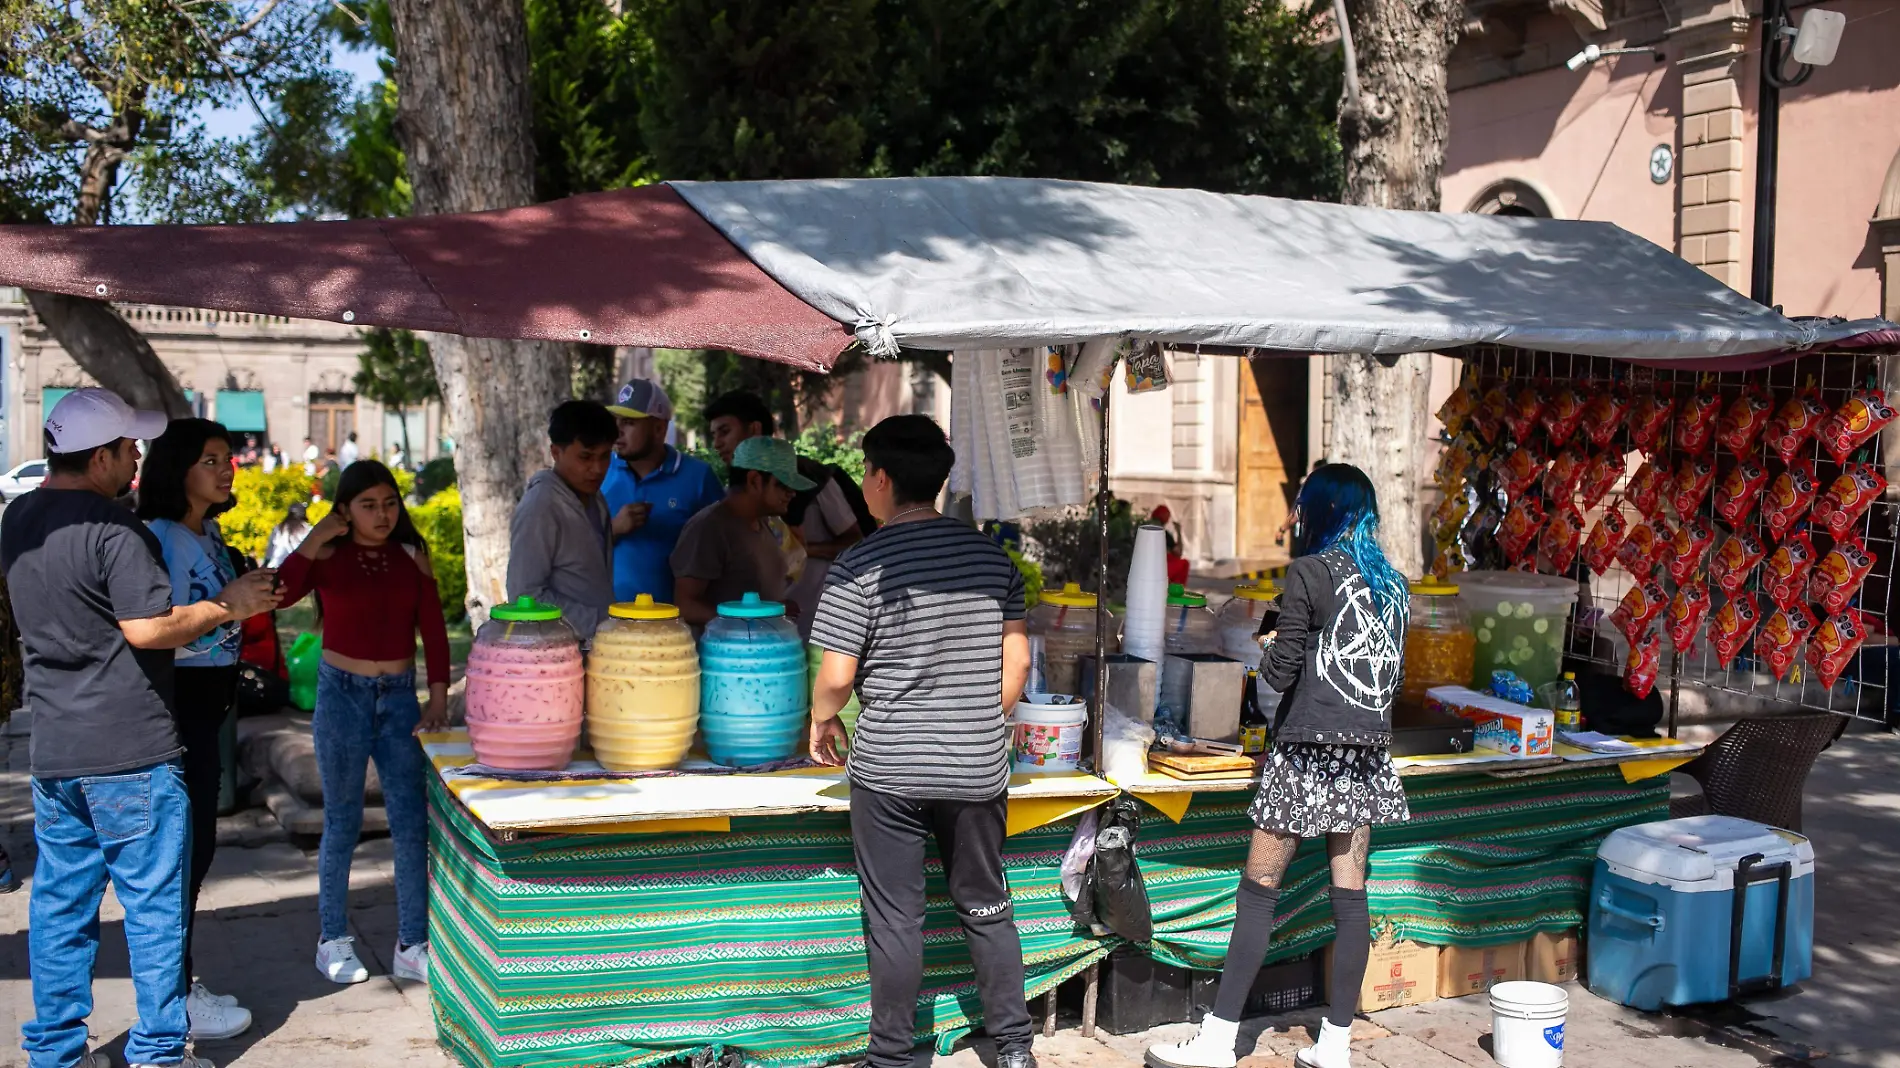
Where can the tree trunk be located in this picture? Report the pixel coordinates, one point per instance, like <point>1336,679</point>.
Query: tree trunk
<point>1394,134</point>
<point>109,349</point>
<point>465,125</point>
<point>594,373</point>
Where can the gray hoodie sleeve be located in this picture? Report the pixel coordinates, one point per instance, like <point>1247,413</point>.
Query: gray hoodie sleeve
<point>532,534</point>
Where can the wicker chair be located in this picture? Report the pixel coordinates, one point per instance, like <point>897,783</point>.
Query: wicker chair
<point>1756,769</point>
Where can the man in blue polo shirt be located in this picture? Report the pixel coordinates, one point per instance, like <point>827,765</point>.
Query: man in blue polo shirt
<point>652,489</point>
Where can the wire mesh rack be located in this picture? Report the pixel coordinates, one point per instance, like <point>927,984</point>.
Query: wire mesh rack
<point>1864,686</point>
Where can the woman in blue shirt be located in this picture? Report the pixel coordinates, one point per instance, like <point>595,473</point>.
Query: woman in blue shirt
<point>185,483</point>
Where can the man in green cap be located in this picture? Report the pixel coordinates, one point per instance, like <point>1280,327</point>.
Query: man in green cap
<point>727,550</point>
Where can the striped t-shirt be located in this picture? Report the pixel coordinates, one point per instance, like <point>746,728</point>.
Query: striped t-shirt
<point>921,606</point>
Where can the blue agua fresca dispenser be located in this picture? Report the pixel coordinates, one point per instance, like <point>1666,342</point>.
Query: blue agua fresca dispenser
<point>1697,910</point>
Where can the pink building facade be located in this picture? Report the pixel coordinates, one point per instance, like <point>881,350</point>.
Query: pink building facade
<point>1665,147</point>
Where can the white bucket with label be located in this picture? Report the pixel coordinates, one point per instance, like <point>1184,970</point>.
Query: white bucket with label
<point>1527,1024</point>
<point>1046,732</point>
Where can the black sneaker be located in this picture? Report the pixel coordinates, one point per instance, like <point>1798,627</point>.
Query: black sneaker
<point>8,884</point>
<point>1016,1058</point>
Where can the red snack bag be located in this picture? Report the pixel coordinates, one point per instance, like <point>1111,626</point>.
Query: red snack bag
<point>1838,577</point>
<point>1848,498</point>
<point>1563,535</point>
<point>1600,478</point>
<point>1520,418</point>
<point>1520,471</point>
<point>1739,492</point>
<point>1637,554</point>
<point>1691,485</point>
<point>1780,638</point>
<point>1794,424</point>
<point>1649,421</point>
<point>1646,489</point>
<point>1604,415</point>
<point>1785,575</point>
<point>1746,418</point>
<point>1859,419</point>
<point>1520,526</point>
<point>1788,498</point>
<point>1643,665</point>
<point>1560,481</point>
<point>1735,561</point>
<point>1562,415</point>
<point>1686,612</point>
<point>1489,415</point>
<point>1731,625</point>
<point>1695,428</point>
<point>1599,550</point>
<point>1457,408</point>
<point>1687,548</point>
<point>1639,608</point>
<point>1835,643</point>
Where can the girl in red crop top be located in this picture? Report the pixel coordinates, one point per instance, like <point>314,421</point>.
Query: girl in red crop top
<point>370,570</point>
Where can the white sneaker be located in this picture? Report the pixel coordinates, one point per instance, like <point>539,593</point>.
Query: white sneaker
<point>338,962</point>
<point>189,1062</point>
<point>1333,1050</point>
<point>213,1020</point>
<point>199,990</point>
<point>412,962</point>
<point>1211,1047</point>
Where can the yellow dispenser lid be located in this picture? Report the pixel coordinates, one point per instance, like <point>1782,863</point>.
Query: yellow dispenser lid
<point>1432,587</point>
<point>643,607</point>
<point>1069,596</point>
<point>1265,590</point>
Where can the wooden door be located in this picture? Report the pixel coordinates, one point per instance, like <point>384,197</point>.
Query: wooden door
<point>332,418</point>
<point>1272,454</point>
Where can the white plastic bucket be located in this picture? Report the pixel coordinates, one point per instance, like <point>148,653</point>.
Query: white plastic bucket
<point>1046,733</point>
<point>1527,1024</point>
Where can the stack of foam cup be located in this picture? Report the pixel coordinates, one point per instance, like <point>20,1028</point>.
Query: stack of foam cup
<point>1143,627</point>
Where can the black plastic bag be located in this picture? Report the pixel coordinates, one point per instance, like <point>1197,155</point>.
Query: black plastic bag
<point>1112,897</point>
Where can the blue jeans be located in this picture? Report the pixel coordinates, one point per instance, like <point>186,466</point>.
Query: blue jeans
<point>358,718</point>
<point>134,827</point>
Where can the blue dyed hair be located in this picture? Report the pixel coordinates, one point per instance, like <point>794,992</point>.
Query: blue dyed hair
<point>1339,508</point>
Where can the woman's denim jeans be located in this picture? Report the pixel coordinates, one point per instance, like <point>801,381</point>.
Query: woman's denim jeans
<point>358,718</point>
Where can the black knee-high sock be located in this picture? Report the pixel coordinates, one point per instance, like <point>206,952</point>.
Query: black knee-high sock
<point>1351,947</point>
<point>1247,948</point>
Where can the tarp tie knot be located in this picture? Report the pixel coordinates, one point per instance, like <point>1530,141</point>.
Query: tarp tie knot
<point>876,334</point>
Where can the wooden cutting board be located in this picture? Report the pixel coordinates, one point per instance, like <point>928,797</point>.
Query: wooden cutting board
<point>1191,766</point>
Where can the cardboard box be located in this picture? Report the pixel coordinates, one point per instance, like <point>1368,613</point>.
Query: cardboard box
<point>1463,971</point>
<point>1553,957</point>
<point>1500,725</point>
<point>1397,973</point>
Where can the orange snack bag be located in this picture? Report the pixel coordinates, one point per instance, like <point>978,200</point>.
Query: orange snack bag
<point>1794,424</point>
<point>1864,414</point>
<point>1739,492</point>
<point>1848,498</point>
<point>1562,415</point>
<point>1785,575</point>
<point>1646,489</point>
<point>1835,643</point>
<point>1562,537</point>
<point>1600,478</point>
<point>1457,408</point>
<point>1746,418</point>
<point>1520,471</point>
<point>1731,625</point>
<point>1599,549</point>
<point>1639,608</point>
<point>1488,417</point>
<point>1637,554</point>
<point>1839,575</point>
<point>1527,405</point>
<point>1643,665</point>
<point>1735,561</point>
<point>1686,612</point>
<point>1788,498</point>
<point>1778,642</point>
<point>1695,428</point>
<point>1649,421</point>
<point>1519,529</point>
<point>1688,547</point>
<point>1691,485</point>
<point>1560,480</point>
<point>1603,415</point>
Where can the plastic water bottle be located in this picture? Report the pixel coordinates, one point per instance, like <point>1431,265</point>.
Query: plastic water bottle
<point>1567,702</point>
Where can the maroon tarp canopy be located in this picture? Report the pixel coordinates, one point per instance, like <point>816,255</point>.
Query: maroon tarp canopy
<point>629,267</point>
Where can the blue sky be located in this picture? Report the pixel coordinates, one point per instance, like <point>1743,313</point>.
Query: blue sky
<point>240,121</point>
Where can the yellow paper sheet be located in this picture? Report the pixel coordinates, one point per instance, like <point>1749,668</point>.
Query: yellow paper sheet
<point>1029,813</point>
<point>1173,805</point>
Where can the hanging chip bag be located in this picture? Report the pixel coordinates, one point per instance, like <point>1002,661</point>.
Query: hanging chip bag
<point>1600,478</point>
<point>1604,415</point>
<point>1563,535</point>
<point>1526,408</point>
<point>1788,498</point>
<point>1639,608</point>
<point>1731,565</point>
<point>1794,424</point>
<point>1778,642</point>
<point>1863,416</point>
<point>1519,529</point>
<point>1837,579</point>
<point>1458,408</point>
<point>1686,612</point>
<point>1739,492</point>
<point>1562,415</point>
<point>1649,421</point>
<point>1637,554</point>
<point>1488,417</point>
<point>1560,481</point>
<point>1520,471</point>
<point>1785,576</point>
<point>1731,626</point>
<point>1747,416</point>
<point>1599,549</point>
<point>1695,429</point>
<point>1694,477</point>
<point>1848,498</point>
<point>1646,489</point>
<point>1687,548</point>
<point>1834,644</point>
<point>1643,665</point>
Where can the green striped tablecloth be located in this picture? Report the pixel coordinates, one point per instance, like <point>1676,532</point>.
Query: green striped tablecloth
<point>638,949</point>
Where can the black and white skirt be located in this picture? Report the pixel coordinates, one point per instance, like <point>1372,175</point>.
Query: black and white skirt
<point>1308,790</point>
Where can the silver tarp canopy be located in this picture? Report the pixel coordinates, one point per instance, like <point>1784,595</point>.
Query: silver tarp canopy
<point>973,263</point>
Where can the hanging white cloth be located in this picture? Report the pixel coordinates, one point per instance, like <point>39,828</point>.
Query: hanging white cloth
<point>1018,440</point>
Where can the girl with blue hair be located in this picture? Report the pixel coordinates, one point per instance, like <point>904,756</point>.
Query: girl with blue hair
<point>1336,658</point>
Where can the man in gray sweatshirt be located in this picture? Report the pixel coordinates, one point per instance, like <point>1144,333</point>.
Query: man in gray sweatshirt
<point>561,550</point>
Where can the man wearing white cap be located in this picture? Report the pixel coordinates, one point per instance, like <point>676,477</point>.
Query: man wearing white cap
<point>652,490</point>
<point>93,602</point>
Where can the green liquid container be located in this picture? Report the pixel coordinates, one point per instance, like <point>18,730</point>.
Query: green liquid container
<point>1519,619</point>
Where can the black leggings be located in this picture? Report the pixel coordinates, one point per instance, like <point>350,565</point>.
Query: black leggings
<point>204,697</point>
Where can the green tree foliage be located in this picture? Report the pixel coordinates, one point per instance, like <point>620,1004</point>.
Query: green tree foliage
<point>395,371</point>
<point>587,62</point>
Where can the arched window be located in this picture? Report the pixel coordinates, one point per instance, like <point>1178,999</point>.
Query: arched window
<point>1512,197</point>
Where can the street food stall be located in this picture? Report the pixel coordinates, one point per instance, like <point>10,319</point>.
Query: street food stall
<point>586,915</point>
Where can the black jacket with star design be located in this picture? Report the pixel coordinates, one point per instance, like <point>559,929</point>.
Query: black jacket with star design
<point>1336,659</point>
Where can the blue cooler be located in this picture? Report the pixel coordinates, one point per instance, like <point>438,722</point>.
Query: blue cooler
<point>1701,909</point>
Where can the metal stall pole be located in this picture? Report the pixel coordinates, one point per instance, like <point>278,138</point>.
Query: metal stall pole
<point>1092,977</point>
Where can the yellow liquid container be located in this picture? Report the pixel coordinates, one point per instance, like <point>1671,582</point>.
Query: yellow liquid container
<point>642,688</point>
<point>1440,647</point>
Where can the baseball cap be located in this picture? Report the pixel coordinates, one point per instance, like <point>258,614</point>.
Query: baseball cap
<point>88,418</point>
<point>642,398</point>
<point>775,457</point>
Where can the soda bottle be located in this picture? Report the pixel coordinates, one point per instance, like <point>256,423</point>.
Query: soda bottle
<point>1568,703</point>
<point>1253,722</point>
